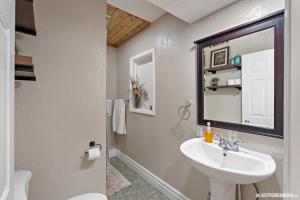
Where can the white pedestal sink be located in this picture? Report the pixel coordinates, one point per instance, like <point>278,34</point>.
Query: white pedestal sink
<point>225,169</point>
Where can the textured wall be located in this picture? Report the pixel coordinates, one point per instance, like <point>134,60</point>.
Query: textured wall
<point>154,141</point>
<point>111,92</point>
<point>57,116</point>
<point>293,122</point>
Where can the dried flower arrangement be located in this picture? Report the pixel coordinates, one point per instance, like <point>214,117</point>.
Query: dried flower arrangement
<point>138,91</point>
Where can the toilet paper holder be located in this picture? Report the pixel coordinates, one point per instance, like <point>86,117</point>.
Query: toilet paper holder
<point>92,144</point>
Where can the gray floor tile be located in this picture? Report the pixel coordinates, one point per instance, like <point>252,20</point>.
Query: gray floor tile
<point>156,195</point>
<point>139,188</point>
<point>144,187</point>
<point>131,176</point>
<point>128,193</point>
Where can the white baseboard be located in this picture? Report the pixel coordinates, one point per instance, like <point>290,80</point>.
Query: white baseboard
<point>158,183</point>
<point>112,152</point>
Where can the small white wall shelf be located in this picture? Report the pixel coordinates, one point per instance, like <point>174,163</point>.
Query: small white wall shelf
<point>143,67</point>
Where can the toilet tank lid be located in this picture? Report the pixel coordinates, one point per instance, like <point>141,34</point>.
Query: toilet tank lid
<point>90,196</point>
<point>21,181</point>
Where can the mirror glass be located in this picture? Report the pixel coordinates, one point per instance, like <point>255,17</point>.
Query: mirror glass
<point>239,80</point>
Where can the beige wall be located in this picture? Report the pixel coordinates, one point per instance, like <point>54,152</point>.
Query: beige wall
<point>111,92</point>
<point>154,141</point>
<point>111,73</point>
<point>57,116</point>
<point>293,123</point>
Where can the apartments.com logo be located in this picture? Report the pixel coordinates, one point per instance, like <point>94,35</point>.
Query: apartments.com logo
<point>276,195</point>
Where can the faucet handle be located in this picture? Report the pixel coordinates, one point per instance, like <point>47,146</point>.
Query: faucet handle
<point>236,143</point>
<point>220,137</point>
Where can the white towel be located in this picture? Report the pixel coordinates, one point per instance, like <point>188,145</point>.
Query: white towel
<point>119,121</point>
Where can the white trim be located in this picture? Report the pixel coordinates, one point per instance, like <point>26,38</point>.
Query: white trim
<point>112,153</point>
<point>142,111</point>
<point>154,180</point>
<point>286,164</point>
<point>132,72</point>
<point>7,24</point>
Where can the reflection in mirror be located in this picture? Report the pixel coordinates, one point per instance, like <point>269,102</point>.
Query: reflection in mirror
<point>239,80</point>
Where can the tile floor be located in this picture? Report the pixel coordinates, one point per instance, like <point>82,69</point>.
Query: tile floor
<point>139,188</point>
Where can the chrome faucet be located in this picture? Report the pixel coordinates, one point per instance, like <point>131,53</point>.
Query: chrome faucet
<point>229,146</point>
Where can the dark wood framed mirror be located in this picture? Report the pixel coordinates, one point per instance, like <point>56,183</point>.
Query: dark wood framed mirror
<point>241,77</point>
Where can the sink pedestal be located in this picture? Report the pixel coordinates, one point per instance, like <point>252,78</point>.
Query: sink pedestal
<point>221,191</point>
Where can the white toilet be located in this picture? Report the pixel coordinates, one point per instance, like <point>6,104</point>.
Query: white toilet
<point>21,184</point>
<point>90,196</point>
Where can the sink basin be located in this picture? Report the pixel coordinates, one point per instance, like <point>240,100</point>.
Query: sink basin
<point>225,169</point>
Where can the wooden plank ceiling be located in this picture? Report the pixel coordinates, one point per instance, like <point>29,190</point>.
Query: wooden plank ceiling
<point>122,26</point>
